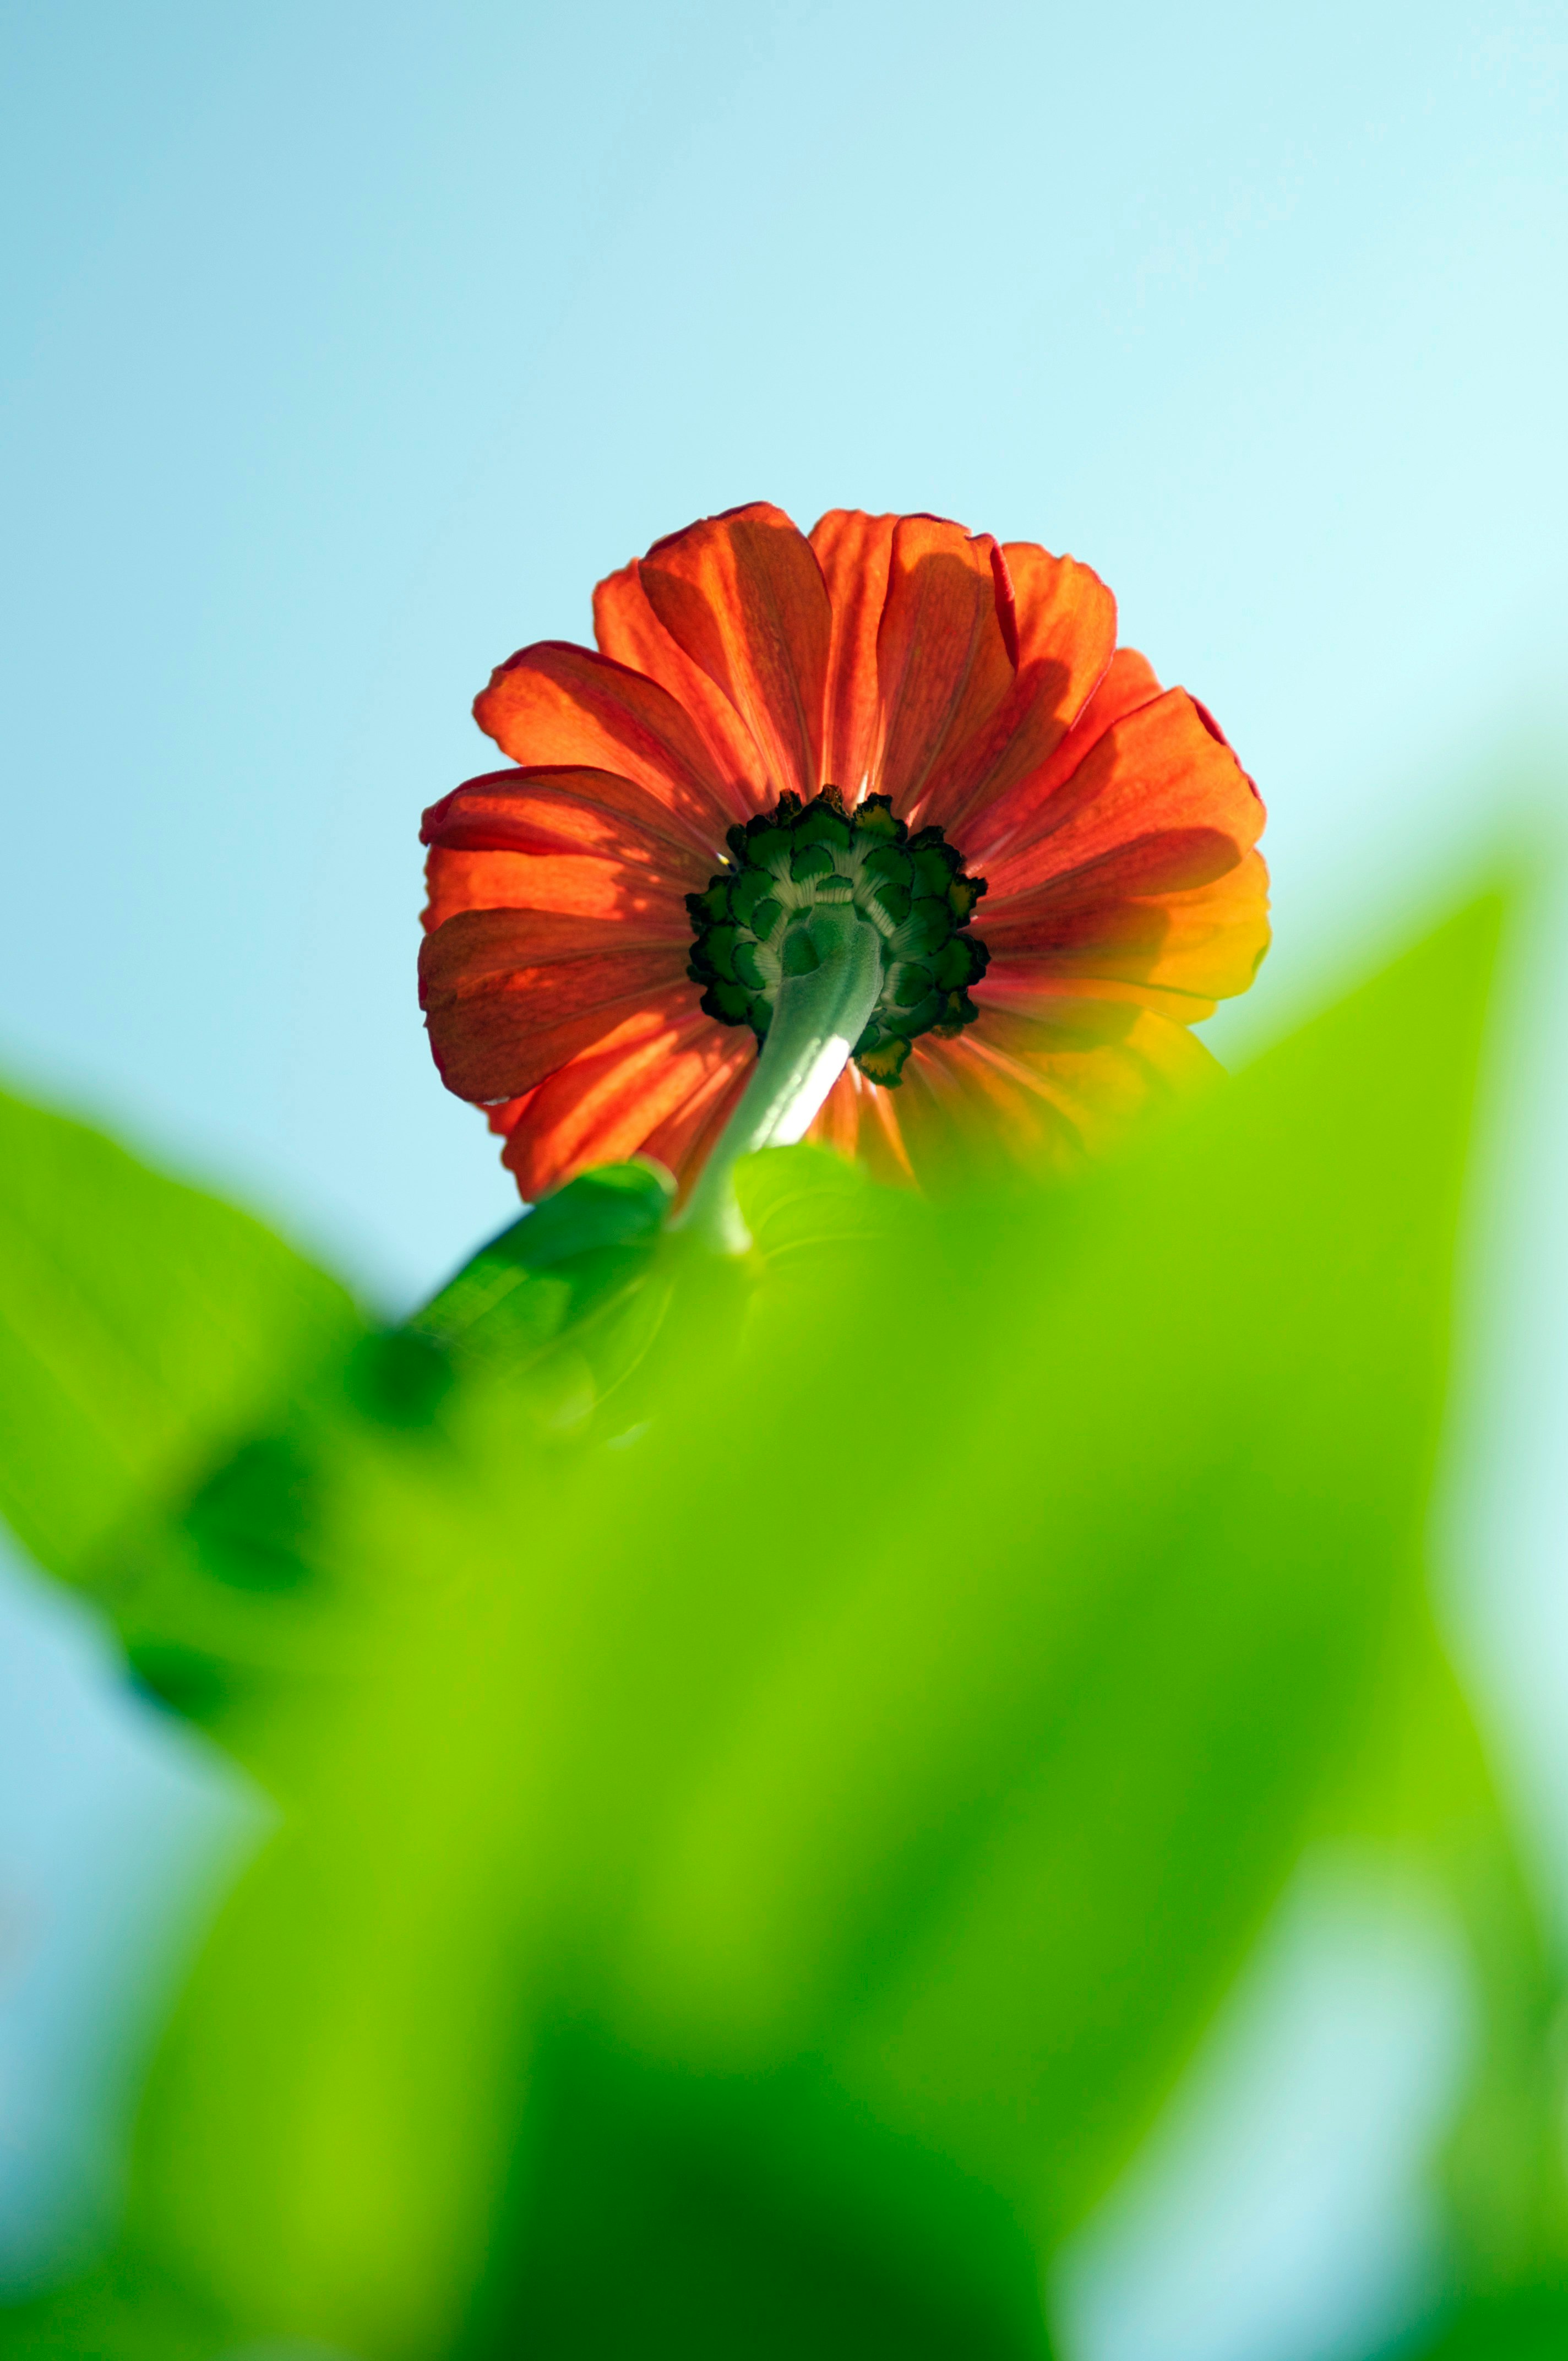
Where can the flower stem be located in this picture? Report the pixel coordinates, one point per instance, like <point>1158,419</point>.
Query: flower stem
<point>817,1018</point>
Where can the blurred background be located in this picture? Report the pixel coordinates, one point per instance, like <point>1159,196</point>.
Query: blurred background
<point>345,348</point>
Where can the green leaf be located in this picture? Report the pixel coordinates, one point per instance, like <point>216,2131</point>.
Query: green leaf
<point>124,2312</point>
<point>229,1600</point>
<point>726,2239</point>
<point>141,1324</point>
<point>885,1754</point>
<point>555,1266</point>
<point>802,1201</point>
<point>1419,1788</point>
<point>1089,1598</point>
<point>224,1590</point>
<point>1526,2323</point>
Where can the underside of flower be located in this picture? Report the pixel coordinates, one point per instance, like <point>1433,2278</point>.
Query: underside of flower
<point>970,700</point>
<point>753,925</point>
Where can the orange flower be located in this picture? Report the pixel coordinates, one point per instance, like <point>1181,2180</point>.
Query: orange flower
<point>592,975</point>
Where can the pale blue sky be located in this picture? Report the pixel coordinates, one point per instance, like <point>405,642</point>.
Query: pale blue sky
<point>343,347</point>
<point>346,346</point>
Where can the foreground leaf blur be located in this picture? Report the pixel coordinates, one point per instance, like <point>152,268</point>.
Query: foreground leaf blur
<point>782,1762</point>
<point>140,1322</point>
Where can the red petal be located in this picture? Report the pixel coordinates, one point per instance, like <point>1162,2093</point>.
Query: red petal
<point>576,841</point>
<point>858,1120</point>
<point>1156,769</point>
<point>1142,868</point>
<point>511,994</point>
<point>504,1115</point>
<point>685,1140</point>
<point>1044,1091</point>
<point>853,551</point>
<point>1181,951</point>
<point>609,1103</point>
<point>1064,620</point>
<point>1013,818</point>
<point>554,706</point>
<point>628,630</point>
<point>574,883</point>
<point>550,809</point>
<point>942,664</point>
<point>743,596</point>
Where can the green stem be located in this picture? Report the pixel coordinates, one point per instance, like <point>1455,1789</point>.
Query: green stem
<point>817,1018</point>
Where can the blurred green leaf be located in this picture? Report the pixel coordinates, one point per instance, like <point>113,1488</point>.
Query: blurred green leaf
<point>222,1589</point>
<point>857,1779</point>
<point>702,2222</point>
<point>802,1201</point>
<point>562,1261</point>
<point>1417,1785</point>
<point>1528,2323</point>
<point>122,2313</point>
<point>1504,2172</point>
<point>1006,1811</point>
<point>141,1324</point>
<point>227,1600</point>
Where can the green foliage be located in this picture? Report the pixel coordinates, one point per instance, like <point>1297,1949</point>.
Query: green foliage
<point>1528,2323</point>
<point>782,1758</point>
<point>576,1255</point>
<point>123,2310</point>
<point>230,1608</point>
<point>141,1322</point>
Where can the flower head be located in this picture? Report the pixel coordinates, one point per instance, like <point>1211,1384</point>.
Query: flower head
<point>889,717</point>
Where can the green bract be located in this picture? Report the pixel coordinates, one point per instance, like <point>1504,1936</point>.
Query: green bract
<point>914,890</point>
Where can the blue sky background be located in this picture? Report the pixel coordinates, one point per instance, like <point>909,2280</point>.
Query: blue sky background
<point>343,347</point>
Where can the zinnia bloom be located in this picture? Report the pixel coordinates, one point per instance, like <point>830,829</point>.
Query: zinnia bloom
<point>891,712</point>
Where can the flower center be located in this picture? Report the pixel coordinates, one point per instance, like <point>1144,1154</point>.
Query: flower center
<point>751,924</point>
